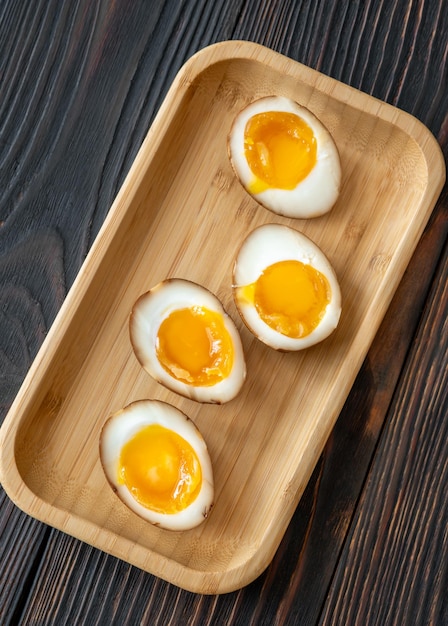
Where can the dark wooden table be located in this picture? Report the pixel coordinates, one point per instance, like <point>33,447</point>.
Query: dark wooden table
<point>80,83</point>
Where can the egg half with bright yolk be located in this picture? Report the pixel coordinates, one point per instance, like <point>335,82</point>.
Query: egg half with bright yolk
<point>185,340</point>
<point>285,157</point>
<point>285,288</point>
<point>157,462</point>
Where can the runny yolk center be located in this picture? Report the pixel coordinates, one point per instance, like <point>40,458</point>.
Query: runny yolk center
<point>290,296</point>
<point>160,469</point>
<point>280,149</point>
<point>194,346</point>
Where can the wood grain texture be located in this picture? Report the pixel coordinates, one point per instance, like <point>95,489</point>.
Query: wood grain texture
<point>400,527</point>
<point>79,88</point>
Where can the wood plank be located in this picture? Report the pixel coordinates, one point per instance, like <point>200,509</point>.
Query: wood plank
<point>22,543</point>
<point>399,529</point>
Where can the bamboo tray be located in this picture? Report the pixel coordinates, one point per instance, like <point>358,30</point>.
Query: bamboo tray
<point>181,212</point>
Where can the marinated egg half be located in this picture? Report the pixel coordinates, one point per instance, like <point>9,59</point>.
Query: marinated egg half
<point>157,462</point>
<point>185,340</point>
<point>285,288</point>
<point>285,157</point>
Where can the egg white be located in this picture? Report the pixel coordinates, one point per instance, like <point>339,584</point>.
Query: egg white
<point>314,195</point>
<point>123,425</point>
<point>269,244</point>
<point>148,313</point>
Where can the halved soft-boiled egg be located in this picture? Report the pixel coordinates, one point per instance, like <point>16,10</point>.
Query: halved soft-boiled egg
<point>185,340</point>
<point>157,462</point>
<point>285,288</point>
<point>285,157</point>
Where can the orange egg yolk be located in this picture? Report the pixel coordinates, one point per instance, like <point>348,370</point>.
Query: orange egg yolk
<point>280,149</point>
<point>194,346</point>
<point>160,469</point>
<point>290,296</point>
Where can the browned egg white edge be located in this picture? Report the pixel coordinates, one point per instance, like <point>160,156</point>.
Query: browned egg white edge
<point>259,200</point>
<point>188,391</point>
<point>205,512</point>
